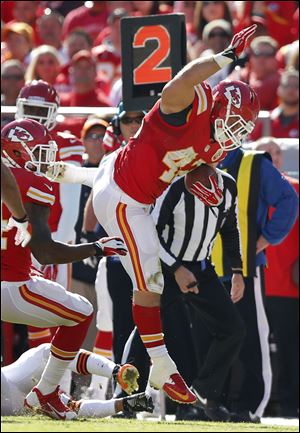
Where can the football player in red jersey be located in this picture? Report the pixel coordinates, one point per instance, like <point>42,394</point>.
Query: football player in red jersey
<point>39,101</point>
<point>188,126</point>
<point>33,300</point>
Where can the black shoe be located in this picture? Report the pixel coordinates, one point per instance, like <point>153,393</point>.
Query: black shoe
<point>214,410</point>
<point>188,412</point>
<point>244,416</point>
<point>138,403</point>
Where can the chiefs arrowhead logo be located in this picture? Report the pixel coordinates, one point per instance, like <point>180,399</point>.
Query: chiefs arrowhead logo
<point>18,134</point>
<point>233,94</point>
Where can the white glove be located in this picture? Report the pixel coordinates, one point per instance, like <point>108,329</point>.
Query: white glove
<point>22,236</point>
<point>68,173</point>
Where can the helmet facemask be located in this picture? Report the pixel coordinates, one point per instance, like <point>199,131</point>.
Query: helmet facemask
<point>41,157</point>
<point>231,132</point>
<point>41,111</point>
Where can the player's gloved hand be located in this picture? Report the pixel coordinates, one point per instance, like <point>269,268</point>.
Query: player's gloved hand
<point>50,272</point>
<point>110,246</point>
<point>56,171</point>
<point>212,196</point>
<point>236,47</point>
<point>22,236</point>
<point>87,237</point>
<point>239,42</point>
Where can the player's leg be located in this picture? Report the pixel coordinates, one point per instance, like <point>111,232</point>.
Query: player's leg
<point>101,408</point>
<point>40,302</point>
<point>135,225</point>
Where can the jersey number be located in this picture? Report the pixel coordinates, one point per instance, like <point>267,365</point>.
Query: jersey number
<point>176,160</point>
<point>148,71</point>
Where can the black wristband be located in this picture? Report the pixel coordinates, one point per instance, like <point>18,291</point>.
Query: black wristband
<point>21,220</point>
<point>237,271</point>
<point>230,53</point>
<point>99,250</point>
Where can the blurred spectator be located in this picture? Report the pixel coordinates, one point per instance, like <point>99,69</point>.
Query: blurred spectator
<point>12,80</point>
<point>76,41</point>
<point>279,18</point>
<point>262,71</point>
<point>44,64</point>
<point>83,75</point>
<point>206,12</point>
<point>63,7</point>
<point>28,12</point>
<point>19,41</point>
<point>217,36</point>
<point>49,28</point>
<point>188,9</point>
<point>282,290</point>
<point>284,119</point>
<point>288,55</point>
<point>145,8</point>
<point>108,54</point>
<point>91,17</point>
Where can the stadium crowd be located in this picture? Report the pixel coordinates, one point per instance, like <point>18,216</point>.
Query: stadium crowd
<point>74,48</point>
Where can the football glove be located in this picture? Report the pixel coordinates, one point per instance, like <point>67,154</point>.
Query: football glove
<point>50,272</point>
<point>236,47</point>
<point>209,196</point>
<point>22,236</point>
<point>110,246</point>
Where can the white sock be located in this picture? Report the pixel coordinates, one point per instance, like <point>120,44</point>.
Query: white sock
<point>96,364</point>
<point>157,352</point>
<point>52,374</point>
<point>97,408</point>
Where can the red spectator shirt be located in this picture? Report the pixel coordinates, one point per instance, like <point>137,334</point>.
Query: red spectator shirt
<point>16,260</point>
<point>266,88</point>
<point>277,129</point>
<point>70,149</point>
<point>108,63</point>
<point>159,152</point>
<point>82,18</point>
<point>90,99</point>
<point>278,274</point>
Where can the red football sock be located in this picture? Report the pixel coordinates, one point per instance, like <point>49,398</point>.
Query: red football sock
<point>103,343</point>
<point>148,322</point>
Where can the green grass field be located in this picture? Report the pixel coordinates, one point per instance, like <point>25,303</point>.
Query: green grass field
<point>42,424</point>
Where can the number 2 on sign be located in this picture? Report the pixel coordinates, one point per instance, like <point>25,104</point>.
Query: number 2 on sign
<point>148,71</point>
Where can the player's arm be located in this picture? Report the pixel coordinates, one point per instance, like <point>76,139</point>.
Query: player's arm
<point>179,92</point>
<point>10,193</point>
<point>47,251</point>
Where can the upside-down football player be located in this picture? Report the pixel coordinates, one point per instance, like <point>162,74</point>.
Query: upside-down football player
<point>18,378</point>
<point>188,126</point>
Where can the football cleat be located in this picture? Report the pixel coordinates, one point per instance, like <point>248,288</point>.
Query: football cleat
<point>138,403</point>
<point>177,390</point>
<point>164,375</point>
<point>126,375</point>
<point>49,404</point>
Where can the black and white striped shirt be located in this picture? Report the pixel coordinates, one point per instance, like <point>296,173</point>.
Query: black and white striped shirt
<point>187,228</point>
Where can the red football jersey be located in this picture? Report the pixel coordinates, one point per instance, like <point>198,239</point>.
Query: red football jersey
<point>70,149</point>
<point>159,152</point>
<point>16,260</point>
